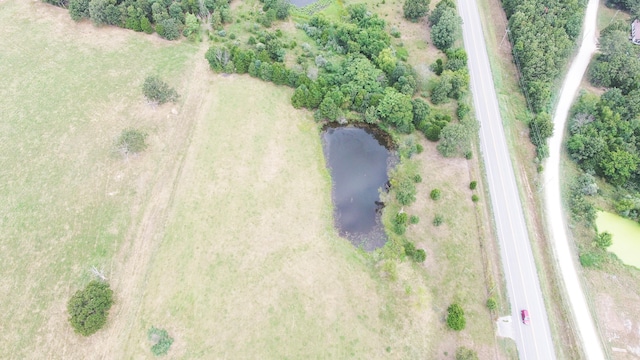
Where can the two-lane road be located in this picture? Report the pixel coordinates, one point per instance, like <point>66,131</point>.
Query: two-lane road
<point>534,340</point>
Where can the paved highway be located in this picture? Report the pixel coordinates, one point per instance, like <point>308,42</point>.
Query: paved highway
<point>523,287</point>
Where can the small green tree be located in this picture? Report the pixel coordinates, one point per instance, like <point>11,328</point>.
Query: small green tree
<point>131,141</point>
<point>438,220</point>
<point>161,341</point>
<point>156,90</point>
<point>475,198</point>
<point>473,185</point>
<point>79,9</point>
<point>169,29</point>
<point>604,240</point>
<point>88,308</point>
<point>435,194</point>
<point>455,317</point>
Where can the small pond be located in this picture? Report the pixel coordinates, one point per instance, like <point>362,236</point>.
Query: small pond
<point>625,235</point>
<point>302,3</point>
<point>359,162</point>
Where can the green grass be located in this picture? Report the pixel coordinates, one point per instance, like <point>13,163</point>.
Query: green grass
<point>65,199</point>
<point>254,256</point>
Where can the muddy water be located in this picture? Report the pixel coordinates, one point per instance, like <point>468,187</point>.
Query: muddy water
<point>359,164</point>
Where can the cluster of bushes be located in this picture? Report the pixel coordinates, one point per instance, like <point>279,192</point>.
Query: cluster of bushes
<point>169,18</point>
<point>604,142</point>
<point>542,35</point>
<point>417,255</point>
<point>368,84</point>
<point>446,25</point>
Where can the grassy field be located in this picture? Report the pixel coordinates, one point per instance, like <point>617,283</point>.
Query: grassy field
<point>222,231</point>
<point>67,202</point>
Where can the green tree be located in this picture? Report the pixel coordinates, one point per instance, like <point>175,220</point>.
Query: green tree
<point>88,308</point>
<point>79,9</point>
<point>154,89</point>
<point>435,194</point>
<point>455,317</point>
<point>396,109</point>
<point>168,29</point>
<point>619,165</point>
<point>191,25</point>
<point>492,304</point>
<point>414,10</point>
<point>145,25</point>
<point>454,140</point>
<point>161,341</point>
<point>131,141</point>
<point>447,30</point>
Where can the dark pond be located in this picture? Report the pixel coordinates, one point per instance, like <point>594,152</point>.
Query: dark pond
<point>359,164</point>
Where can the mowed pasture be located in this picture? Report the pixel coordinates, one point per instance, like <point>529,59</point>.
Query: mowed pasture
<point>220,232</point>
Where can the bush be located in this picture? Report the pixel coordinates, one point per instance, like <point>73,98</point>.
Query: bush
<point>592,259</point>
<point>417,255</point>
<point>161,341</point>
<point>158,91</point>
<point>88,308</point>
<point>455,317</point>
<point>414,219</point>
<point>438,220</point>
<point>475,198</point>
<point>604,240</point>
<point>464,353</point>
<point>435,194</point>
<point>492,304</point>
<point>131,141</point>
<point>473,185</point>
<point>417,178</point>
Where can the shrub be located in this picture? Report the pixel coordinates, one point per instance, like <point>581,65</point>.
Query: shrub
<point>475,198</point>
<point>455,317</point>
<point>492,304</point>
<point>414,219</point>
<point>473,185</point>
<point>438,220</point>
<point>464,353</point>
<point>604,240</point>
<point>417,178</point>
<point>88,308</point>
<point>592,259</point>
<point>131,141</point>
<point>419,256</point>
<point>435,194</point>
<point>405,189</point>
<point>158,91</point>
<point>161,341</point>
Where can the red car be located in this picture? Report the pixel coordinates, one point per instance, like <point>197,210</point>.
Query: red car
<point>525,316</point>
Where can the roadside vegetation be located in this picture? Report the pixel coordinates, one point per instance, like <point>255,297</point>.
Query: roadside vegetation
<point>218,184</point>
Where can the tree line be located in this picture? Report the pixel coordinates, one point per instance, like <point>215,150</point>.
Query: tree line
<point>169,18</point>
<point>368,82</point>
<point>542,35</point>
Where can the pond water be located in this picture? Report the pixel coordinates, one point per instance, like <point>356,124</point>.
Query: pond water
<point>302,3</point>
<point>625,234</point>
<point>359,162</point>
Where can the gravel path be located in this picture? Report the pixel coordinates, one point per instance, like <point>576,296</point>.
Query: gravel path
<point>591,342</point>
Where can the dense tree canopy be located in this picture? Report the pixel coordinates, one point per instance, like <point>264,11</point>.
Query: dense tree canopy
<point>604,142</point>
<point>445,25</point>
<point>88,308</point>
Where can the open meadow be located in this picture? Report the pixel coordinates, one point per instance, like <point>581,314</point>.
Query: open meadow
<point>221,232</point>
